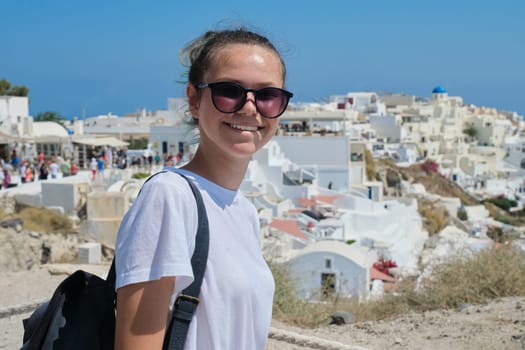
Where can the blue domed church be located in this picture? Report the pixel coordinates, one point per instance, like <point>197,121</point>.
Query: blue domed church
<point>439,94</point>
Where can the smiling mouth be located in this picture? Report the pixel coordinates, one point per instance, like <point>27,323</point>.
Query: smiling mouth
<point>244,127</point>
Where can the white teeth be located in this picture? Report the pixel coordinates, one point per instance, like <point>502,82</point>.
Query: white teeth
<point>244,127</point>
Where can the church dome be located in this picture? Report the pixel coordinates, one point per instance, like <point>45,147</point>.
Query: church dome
<point>439,90</point>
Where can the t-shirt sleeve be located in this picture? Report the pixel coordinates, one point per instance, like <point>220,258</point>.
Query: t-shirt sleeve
<point>157,235</point>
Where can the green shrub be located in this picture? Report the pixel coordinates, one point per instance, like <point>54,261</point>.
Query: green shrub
<point>503,203</point>
<point>140,176</point>
<point>504,219</point>
<point>393,179</point>
<point>434,217</point>
<point>491,273</point>
<point>370,166</point>
<point>141,143</point>
<point>462,214</point>
<point>45,220</point>
<point>496,234</point>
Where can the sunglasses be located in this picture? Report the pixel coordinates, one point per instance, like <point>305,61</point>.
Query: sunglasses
<point>229,97</point>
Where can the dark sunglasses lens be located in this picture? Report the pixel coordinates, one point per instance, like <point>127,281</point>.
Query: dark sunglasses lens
<point>271,102</point>
<point>227,97</point>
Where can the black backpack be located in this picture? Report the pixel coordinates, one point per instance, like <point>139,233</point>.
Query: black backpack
<point>80,315</point>
<point>81,312</point>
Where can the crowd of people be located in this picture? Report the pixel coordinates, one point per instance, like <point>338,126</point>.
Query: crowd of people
<point>29,170</point>
<point>148,160</point>
<point>43,168</point>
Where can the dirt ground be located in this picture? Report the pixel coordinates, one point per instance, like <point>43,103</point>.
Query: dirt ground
<point>497,325</point>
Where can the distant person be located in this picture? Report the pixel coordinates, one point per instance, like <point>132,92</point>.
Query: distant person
<point>235,94</point>
<point>14,160</point>
<point>22,171</point>
<point>109,155</point>
<point>53,169</point>
<point>6,181</point>
<point>123,162</point>
<point>120,153</point>
<point>74,168</point>
<point>168,160</point>
<point>41,157</point>
<point>7,165</point>
<point>100,166</point>
<point>43,171</point>
<point>65,168</point>
<point>93,166</point>
<point>28,174</point>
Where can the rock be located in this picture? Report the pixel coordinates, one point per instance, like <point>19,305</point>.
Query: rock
<point>342,317</point>
<point>24,250</point>
<point>17,224</point>
<point>34,234</point>
<point>17,251</point>
<point>46,253</point>
<point>464,307</point>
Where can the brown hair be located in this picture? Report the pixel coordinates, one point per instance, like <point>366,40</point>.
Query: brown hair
<point>199,54</point>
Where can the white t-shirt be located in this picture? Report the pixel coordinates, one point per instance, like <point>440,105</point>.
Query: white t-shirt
<point>157,238</point>
<point>53,169</point>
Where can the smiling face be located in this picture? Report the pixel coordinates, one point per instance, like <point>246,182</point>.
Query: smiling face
<point>242,133</point>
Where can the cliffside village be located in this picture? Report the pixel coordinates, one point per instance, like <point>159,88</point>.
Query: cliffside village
<point>320,213</point>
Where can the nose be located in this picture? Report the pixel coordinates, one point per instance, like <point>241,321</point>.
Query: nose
<point>250,104</point>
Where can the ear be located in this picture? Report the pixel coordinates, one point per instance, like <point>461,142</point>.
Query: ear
<point>193,100</point>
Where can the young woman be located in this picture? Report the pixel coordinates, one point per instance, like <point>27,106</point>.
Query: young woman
<point>235,94</point>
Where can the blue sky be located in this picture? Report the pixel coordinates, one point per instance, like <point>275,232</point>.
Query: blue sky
<point>119,56</point>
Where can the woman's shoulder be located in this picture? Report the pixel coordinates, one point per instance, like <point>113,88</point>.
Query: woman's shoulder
<point>166,177</point>
<point>163,193</point>
<point>166,184</point>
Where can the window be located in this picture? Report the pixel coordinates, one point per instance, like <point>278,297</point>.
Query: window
<point>328,263</point>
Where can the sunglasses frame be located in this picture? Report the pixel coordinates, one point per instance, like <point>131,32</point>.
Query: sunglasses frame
<point>286,94</point>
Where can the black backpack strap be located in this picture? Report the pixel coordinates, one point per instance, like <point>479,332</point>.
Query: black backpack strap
<point>187,301</point>
<point>111,281</point>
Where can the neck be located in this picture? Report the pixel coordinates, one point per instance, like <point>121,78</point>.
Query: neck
<point>225,172</point>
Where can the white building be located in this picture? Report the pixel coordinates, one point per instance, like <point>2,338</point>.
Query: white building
<point>329,268</point>
<point>15,124</point>
<point>392,228</point>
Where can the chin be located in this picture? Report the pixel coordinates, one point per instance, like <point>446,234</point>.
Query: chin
<point>244,150</point>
